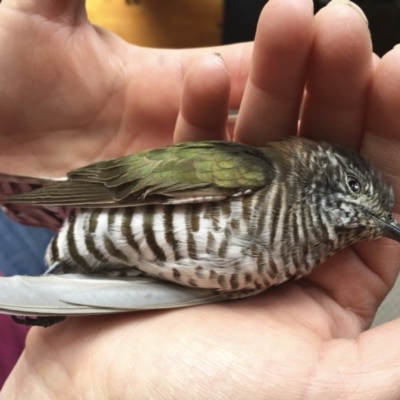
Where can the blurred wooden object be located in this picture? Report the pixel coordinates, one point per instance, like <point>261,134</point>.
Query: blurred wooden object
<point>161,23</point>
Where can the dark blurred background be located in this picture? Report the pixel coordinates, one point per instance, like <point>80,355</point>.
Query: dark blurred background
<point>240,19</point>
<point>198,23</point>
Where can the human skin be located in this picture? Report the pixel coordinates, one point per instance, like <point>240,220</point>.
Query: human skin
<point>88,95</point>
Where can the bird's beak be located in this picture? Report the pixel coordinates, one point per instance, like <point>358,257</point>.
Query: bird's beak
<point>390,230</point>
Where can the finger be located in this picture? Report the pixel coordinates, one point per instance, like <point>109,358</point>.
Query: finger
<point>381,145</point>
<point>237,58</point>
<point>66,11</point>
<point>381,142</point>
<point>340,71</point>
<point>204,101</point>
<point>274,90</point>
<point>380,362</point>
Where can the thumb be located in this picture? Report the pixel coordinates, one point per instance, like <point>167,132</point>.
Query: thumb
<point>365,368</point>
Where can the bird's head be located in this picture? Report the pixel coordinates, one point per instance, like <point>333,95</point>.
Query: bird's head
<point>351,194</point>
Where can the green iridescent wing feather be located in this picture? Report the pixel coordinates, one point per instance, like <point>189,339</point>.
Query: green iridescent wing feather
<point>193,170</point>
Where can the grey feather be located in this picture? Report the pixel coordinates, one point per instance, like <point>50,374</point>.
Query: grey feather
<point>78,294</point>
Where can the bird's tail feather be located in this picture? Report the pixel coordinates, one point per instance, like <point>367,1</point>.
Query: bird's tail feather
<point>77,294</point>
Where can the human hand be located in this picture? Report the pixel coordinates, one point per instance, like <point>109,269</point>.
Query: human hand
<point>72,93</point>
<point>304,339</point>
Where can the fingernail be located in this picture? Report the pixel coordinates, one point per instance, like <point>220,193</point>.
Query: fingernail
<point>221,60</point>
<point>353,6</point>
<point>397,46</point>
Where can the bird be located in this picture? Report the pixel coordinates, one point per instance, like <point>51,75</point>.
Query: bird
<point>191,223</point>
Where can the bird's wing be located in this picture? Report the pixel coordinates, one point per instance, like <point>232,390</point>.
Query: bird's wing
<point>188,172</point>
<point>10,184</point>
<point>76,294</point>
<point>50,217</point>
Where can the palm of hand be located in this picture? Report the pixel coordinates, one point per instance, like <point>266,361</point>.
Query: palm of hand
<point>303,337</point>
<point>53,99</point>
<point>79,93</point>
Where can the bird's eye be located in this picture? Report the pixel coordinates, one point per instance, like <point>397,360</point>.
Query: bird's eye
<point>389,218</point>
<point>354,184</point>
